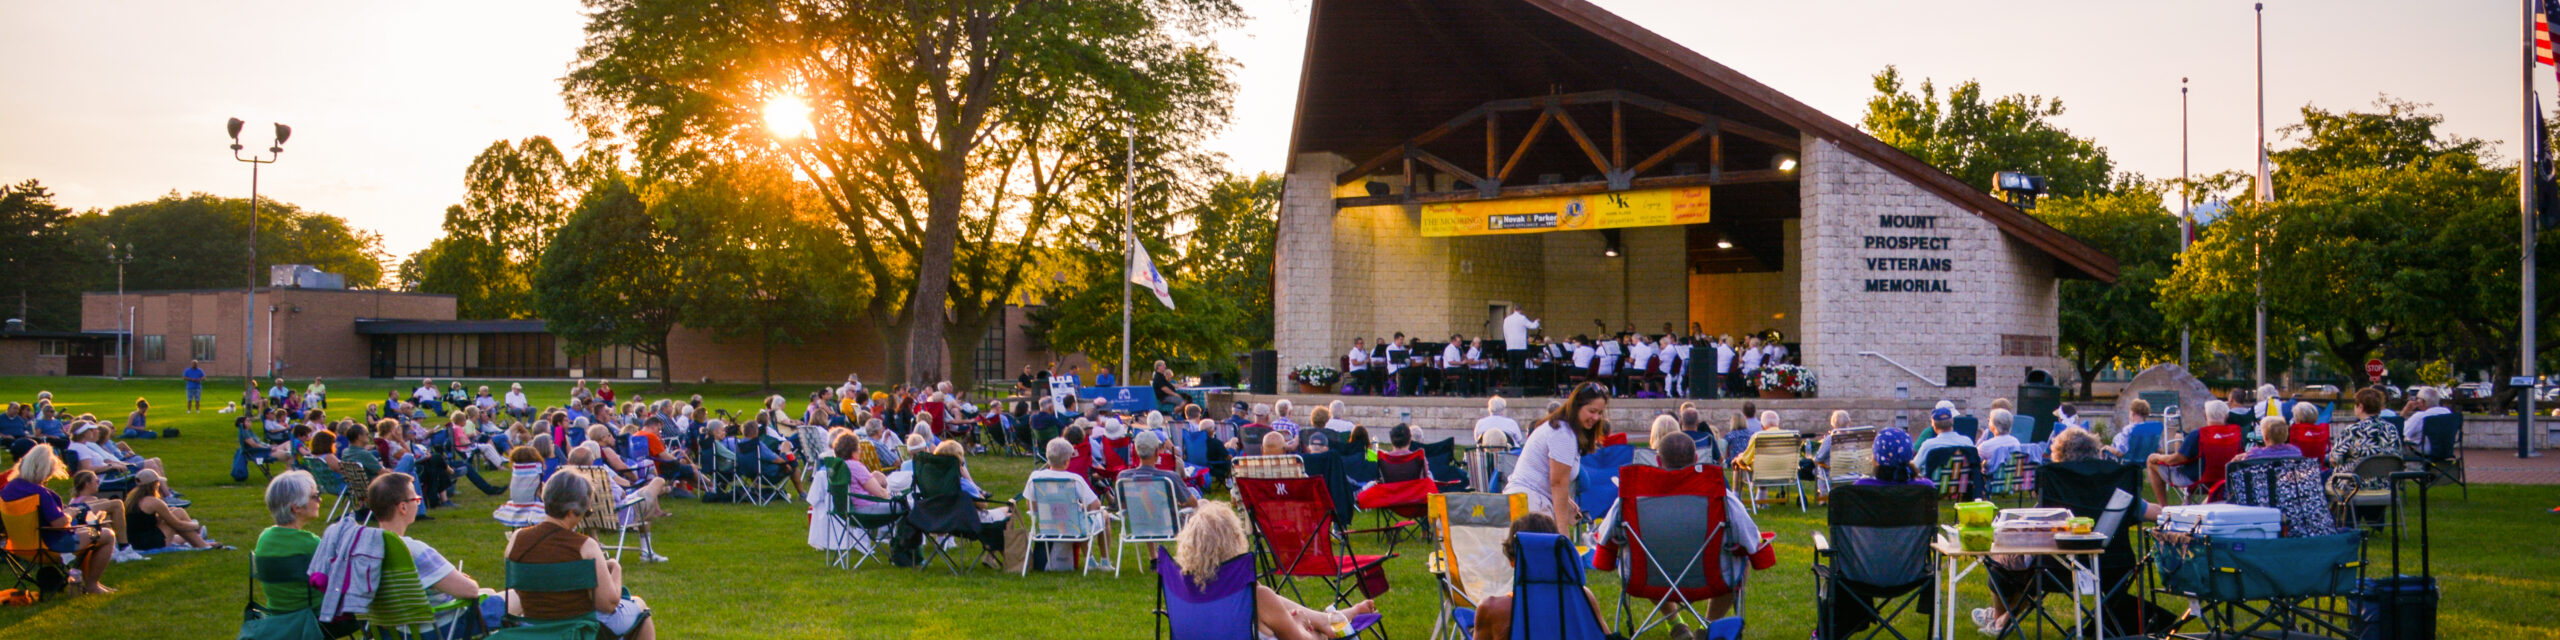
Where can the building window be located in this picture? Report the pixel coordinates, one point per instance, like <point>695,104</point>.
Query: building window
<point>202,349</point>
<point>54,348</point>
<point>990,358</point>
<point>2026,345</point>
<point>153,350</point>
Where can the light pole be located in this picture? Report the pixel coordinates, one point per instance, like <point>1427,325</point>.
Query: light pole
<point>2266,193</point>
<point>248,312</point>
<point>2186,220</point>
<point>124,319</point>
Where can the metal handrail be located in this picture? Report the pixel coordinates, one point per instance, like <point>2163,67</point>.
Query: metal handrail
<point>1905,369</point>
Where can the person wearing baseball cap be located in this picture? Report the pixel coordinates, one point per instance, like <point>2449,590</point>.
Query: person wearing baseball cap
<point>1942,434</point>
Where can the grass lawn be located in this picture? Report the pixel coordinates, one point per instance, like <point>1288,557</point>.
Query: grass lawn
<point>742,571</point>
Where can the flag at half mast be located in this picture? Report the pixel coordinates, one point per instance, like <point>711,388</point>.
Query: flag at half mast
<point>1142,271</point>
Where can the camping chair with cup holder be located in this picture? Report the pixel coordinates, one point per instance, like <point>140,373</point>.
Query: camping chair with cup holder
<point>1150,513</point>
<point>846,507</point>
<point>1876,563</point>
<point>1670,531</point>
<point>941,513</point>
<point>401,606</point>
<point>1294,525</point>
<point>1222,610</point>
<point>574,576</point>
<point>1443,456</point>
<point>1956,470</point>
<point>2015,477</point>
<point>1467,560</point>
<point>1056,517</point>
<point>2443,457</point>
<point>35,567</point>
<point>1401,494</point>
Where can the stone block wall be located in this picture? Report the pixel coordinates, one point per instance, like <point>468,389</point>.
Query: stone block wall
<point>1303,263</point>
<point>1997,311</point>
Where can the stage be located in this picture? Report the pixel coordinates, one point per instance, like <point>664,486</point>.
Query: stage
<point>1455,417</point>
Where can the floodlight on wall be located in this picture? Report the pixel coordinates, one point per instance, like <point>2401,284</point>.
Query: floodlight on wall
<point>2021,189</point>
<point>1783,162</point>
<point>1724,242</point>
<point>1610,241</point>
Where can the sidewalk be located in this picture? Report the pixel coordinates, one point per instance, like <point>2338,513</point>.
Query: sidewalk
<point>2501,466</point>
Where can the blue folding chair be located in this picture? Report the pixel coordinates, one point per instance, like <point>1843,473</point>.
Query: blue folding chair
<point>1547,600</point>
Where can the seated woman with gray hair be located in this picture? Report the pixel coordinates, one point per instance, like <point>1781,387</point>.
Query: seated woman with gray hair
<point>293,501</point>
<point>556,539</point>
<point>582,462</point>
<point>2083,479</point>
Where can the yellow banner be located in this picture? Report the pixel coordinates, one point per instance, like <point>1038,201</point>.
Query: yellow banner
<point>1647,208</point>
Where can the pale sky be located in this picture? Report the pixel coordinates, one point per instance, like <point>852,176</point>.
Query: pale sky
<point>116,102</point>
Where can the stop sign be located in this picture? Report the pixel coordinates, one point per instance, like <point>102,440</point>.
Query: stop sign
<point>2373,369</point>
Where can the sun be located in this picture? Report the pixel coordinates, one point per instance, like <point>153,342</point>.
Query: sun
<point>787,116</point>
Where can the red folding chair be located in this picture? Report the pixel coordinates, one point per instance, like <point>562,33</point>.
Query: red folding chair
<point>1403,490</point>
<point>1669,542</point>
<point>1293,525</point>
<point>2217,445</point>
<point>2313,439</point>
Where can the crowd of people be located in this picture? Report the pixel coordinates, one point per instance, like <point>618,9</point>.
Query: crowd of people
<point>599,461</point>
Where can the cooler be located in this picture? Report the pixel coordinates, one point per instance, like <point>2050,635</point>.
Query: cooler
<point>2225,521</point>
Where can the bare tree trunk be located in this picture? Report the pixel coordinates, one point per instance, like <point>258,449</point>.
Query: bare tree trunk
<point>933,270</point>
<point>766,336</point>
<point>967,329</point>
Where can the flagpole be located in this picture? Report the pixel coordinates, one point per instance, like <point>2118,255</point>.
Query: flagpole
<point>1128,247</point>
<point>2186,220</point>
<point>2525,178</point>
<point>2265,193</point>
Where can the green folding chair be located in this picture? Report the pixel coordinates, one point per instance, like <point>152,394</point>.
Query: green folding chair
<point>551,577</point>
<point>400,605</point>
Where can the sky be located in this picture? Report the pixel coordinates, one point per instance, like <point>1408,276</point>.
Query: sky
<point>110,103</point>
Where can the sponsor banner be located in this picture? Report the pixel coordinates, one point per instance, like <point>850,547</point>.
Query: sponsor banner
<point>1644,208</point>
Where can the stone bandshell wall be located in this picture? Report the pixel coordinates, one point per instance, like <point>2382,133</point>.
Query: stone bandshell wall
<point>1998,286</point>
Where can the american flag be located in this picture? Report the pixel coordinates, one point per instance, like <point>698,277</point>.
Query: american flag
<point>2542,31</point>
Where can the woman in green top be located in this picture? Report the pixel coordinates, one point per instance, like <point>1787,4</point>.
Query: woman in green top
<point>293,498</point>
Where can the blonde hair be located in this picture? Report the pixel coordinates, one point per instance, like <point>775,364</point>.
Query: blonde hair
<point>1213,536</point>
<point>1664,426</point>
<point>1319,417</point>
<point>948,448</point>
<point>39,465</point>
<point>2274,430</point>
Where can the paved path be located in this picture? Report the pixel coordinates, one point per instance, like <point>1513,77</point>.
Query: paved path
<point>2501,466</point>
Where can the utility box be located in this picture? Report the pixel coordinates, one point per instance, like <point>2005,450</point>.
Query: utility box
<point>303,276</point>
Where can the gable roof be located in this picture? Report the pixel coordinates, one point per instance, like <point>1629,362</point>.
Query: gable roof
<point>1434,58</point>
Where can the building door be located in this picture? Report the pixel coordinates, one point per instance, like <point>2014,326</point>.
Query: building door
<point>87,358</point>
<point>382,357</point>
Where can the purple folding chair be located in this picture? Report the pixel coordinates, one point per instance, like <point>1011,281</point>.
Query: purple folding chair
<point>1222,611</point>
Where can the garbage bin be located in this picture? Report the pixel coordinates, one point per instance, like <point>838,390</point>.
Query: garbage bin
<point>2038,397</point>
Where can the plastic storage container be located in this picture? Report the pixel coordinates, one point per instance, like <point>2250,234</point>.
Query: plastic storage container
<point>1975,539</point>
<point>2030,528</point>
<point>1976,514</point>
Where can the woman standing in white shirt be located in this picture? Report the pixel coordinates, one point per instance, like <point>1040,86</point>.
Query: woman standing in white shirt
<point>1553,454</point>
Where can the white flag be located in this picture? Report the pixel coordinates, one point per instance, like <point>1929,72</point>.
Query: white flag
<point>1142,270</point>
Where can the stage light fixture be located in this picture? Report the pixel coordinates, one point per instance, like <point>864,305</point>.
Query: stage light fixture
<point>1783,162</point>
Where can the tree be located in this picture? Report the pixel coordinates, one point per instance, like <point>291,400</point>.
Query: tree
<point>1972,139</point>
<point>37,257</point>
<point>516,195</point>
<point>1220,273</point>
<point>196,242</point>
<point>605,280</point>
<point>2110,324</point>
<point>2382,231</point>
<point>942,132</point>
<point>760,259</point>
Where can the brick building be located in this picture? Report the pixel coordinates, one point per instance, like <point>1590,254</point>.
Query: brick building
<point>1452,160</point>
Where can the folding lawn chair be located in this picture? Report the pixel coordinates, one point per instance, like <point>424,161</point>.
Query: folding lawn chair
<point>575,576</point>
<point>2258,587</point>
<point>270,576</point>
<point>616,511</point>
<point>1956,470</point>
<point>2216,445</point>
<point>720,466</point>
<point>943,512</point>
<point>809,440</point>
<point>1346,498</point>
<point>846,507</point>
<point>1670,536</point>
<point>400,606</point>
<point>1547,598</point>
<point>353,480</point>
<point>1773,466</point>
<point>1149,514</point>
<point>1200,450</point>
<point>1057,517</point>
<point>1876,563</point>
<point>2292,485</point>
<point>1490,467</point>
<point>327,481</point>
<point>2013,477</point>
<point>1469,563</point>
<point>1596,482</point>
<point>2443,456</point>
<point>1853,457</point>
<point>759,479</point>
<point>1222,610</point>
<point>1403,490</point>
<point>1443,456</point>
<point>1294,525</point>
<point>36,567</point>
<point>2365,497</point>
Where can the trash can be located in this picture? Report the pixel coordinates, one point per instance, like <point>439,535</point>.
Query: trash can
<point>2038,397</point>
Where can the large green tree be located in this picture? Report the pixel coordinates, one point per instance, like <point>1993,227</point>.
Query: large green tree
<point>606,279</point>
<point>760,258</point>
<point>516,195</point>
<point>1219,272</point>
<point>38,261</point>
<point>943,134</point>
<point>1973,137</point>
<point>2115,324</point>
<point>2384,232</point>
<point>196,242</point>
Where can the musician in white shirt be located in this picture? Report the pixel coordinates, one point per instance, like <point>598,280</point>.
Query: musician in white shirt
<point>1359,367</point>
<point>1479,370</point>
<point>1583,355</point>
<point>1751,356</point>
<point>1724,366</point>
<point>1515,343</point>
<point>1453,357</point>
<point>1396,352</point>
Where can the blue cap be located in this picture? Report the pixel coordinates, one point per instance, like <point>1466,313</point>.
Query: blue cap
<point>1942,413</point>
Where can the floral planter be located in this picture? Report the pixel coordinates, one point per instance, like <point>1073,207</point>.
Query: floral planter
<point>1776,393</point>
<point>1305,388</point>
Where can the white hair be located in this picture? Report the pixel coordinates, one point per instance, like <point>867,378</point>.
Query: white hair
<point>1495,405</point>
<point>289,490</point>
<point>1281,407</point>
<point>1768,420</point>
<point>1336,407</point>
